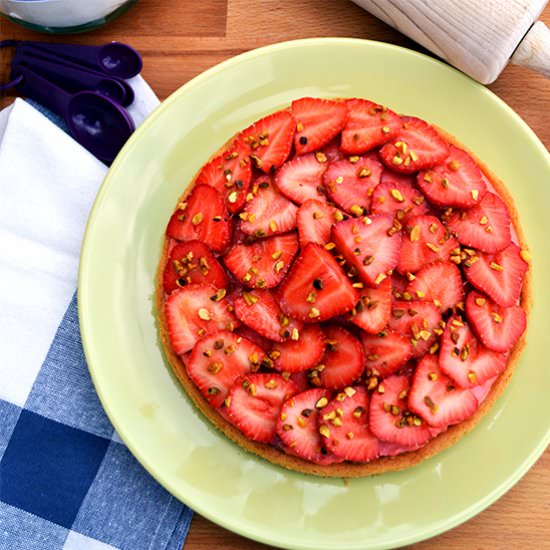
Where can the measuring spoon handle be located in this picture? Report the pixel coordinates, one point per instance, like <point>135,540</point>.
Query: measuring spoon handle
<point>43,91</point>
<point>87,55</point>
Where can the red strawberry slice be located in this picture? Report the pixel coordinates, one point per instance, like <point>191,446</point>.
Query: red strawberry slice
<point>254,337</point>
<point>301,380</point>
<point>499,275</point>
<point>386,352</point>
<point>301,354</point>
<point>192,262</point>
<point>390,418</point>
<point>316,288</point>
<point>264,263</point>
<point>301,178</point>
<point>499,328</point>
<point>418,321</point>
<point>218,360</point>
<point>269,140</point>
<point>260,311</point>
<point>425,240</point>
<point>268,212</point>
<point>202,216</point>
<point>372,311</point>
<point>230,174</point>
<point>440,283</point>
<point>315,219</point>
<point>346,429</point>
<point>193,312</point>
<point>350,182</point>
<point>397,196</point>
<point>417,146</point>
<point>371,245</point>
<point>456,182</point>
<point>332,150</point>
<point>343,361</point>
<point>399,284</point>
<point>317,122</point>
<point>298,427</point>
<point>435,398</point>
<point>254,404</point>
<point>464,359</point>
<point>369,125</point>
<point>485,226</point>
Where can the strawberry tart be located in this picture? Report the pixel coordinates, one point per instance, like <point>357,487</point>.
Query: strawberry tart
<point>343,290</point>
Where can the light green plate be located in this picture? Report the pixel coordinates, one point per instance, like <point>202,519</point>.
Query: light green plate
<point>144,401</point>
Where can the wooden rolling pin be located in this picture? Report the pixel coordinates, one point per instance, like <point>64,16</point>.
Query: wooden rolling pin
<point>478,37</point>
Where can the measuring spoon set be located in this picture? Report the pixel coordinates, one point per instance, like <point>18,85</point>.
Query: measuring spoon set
<point>86,85</point>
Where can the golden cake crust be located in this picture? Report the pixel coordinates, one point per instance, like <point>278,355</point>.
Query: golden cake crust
<point>346,469</point>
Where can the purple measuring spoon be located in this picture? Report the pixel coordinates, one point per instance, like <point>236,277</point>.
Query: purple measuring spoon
<point>97,123</point>
<point>113,58</point>
<point>30,51</point>
<point>73,80</point>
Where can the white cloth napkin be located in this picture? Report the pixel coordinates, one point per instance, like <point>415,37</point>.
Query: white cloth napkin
<point>47,186</point>
<point>67,480</point>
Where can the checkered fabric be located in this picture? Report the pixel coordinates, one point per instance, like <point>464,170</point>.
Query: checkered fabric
<point>66,479</point>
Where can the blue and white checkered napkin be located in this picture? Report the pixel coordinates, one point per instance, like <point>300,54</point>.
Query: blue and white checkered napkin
<point>66,480</point>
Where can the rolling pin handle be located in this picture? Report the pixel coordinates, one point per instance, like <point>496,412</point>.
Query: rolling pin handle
<point>534,50</point>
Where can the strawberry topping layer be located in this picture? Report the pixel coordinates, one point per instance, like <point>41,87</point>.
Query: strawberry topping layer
<point>342,283</point>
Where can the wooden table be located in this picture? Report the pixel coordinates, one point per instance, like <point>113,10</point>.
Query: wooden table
<point>181,38</point>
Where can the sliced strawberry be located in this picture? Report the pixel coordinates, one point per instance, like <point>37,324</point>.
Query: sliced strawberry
<point>485,226</point>
<point>425,240</point>
<point>418,321</point>
<point>346,429</point>
<point>343,361</point>
<point>254,404</point>
<point>268,212</point>
<point>386,352</point>
<point>390,418</point>
<point>218,360</point>
<point>202,216</point>
<point>301,354</point>
<point>369,125</point>
<point>372,311</point>
<point>499,275</point>
<point>192,262</point>
<point>350,183</point>
<point>297,424</point>
<point>332,150</point>
<point>301,380</point>
<point>397,196</point>
<point>464,359</point>
<point>260,311</point>
<point>456,182</point>
<point>230,174</point>
<point>317,122</point>
<point>316,288</point>
<point>434,397</point>
<point>399,284</point>
<point>440,283</point>
<point>257,339</point>
<point>417,146</point>
<point>499,328</point>
<point>269,140</point>
<point>264,263</point>
<point>370,245</point>
<point>301,178</point>
<point>315,219</point>
<point>194,311</point>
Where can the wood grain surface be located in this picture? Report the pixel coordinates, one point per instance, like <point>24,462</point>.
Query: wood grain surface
<point>181,38</point>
